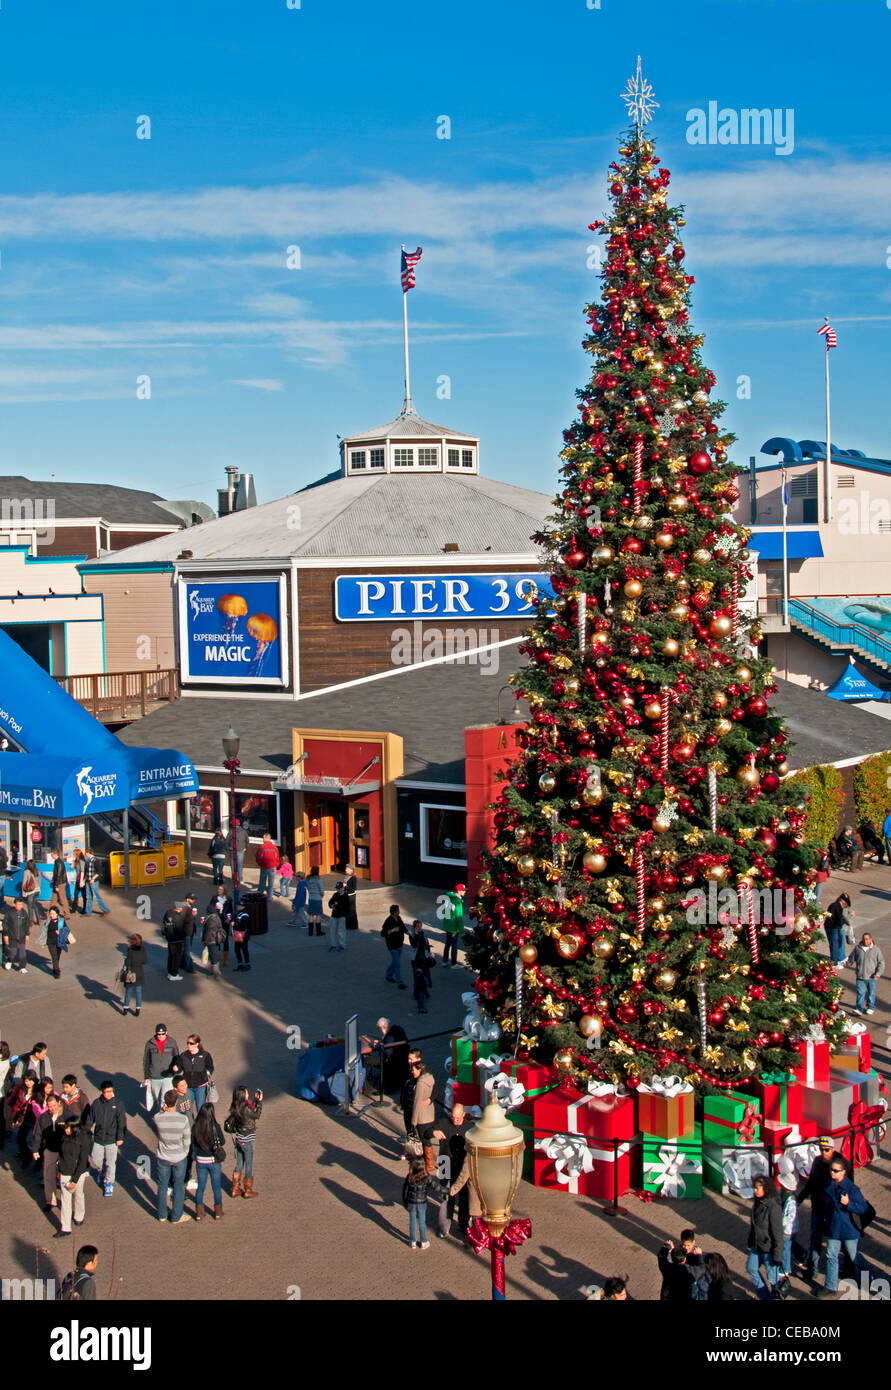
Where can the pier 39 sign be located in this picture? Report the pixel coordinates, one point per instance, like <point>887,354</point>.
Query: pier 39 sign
<point>381,598</point>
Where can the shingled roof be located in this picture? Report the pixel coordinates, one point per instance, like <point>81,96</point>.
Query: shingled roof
<point>121,505</point>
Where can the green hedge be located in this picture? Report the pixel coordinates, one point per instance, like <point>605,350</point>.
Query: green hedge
<point>821,787</point>
<point>872,789</point>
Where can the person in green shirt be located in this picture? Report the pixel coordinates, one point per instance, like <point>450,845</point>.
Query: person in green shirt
<point>453,922</point>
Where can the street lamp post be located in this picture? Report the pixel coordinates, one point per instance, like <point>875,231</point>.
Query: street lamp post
<point>231,744</point>
<point>495,1155</point>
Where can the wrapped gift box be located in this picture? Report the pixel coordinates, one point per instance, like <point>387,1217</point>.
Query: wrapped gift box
<point>465,1093</point>
<point>602,1116</point>
<point>865,1083</point>
<point>813,1069</point>
<point>537,1079</point>
<point>673,1167</point>
<point>607,1171</point>
<point>466,1053</point>
<point>828,1105</point>
<point>525,1123</point>
<point>733,1170</point>
<point>665,1108</point>
<point>858,1041</point>
<point>779,1095</point>
<point>724,1119</point>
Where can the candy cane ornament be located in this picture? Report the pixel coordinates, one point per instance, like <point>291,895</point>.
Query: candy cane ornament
<point>638,476</point>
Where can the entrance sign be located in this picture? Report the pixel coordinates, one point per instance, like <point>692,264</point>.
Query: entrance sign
<point>233,632</point>
<point>380,598</point>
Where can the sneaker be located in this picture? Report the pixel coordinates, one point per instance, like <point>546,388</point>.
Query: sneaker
<point>870,1011</point>
<point>180,1219</point>
<point>174,977</point>
<point>6,965</point>
<point>425,1245</point>
<point>403,986</point>
<point>330,949</point>
<point>854,1011</point>
<point>414,1245</point>
<point>108,1189</point>
<point>192,1185</point>
<point>23,970</point>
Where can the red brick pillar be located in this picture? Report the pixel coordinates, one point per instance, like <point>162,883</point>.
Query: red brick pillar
<point>488,748</point>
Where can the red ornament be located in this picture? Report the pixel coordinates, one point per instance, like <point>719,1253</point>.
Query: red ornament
<point>574,559</point>
<point>766,837</point>
<point>700,463</point>
<point>683,752</point>
<point>756,706</point>
<point>769,782</point>
<point>626,1013</point>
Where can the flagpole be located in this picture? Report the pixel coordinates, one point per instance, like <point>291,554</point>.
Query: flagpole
<point>785,558</point>
<point>407,406</point>
<point>828,488</point>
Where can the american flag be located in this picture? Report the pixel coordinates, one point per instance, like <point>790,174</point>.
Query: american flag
<point>409,261</point>
<point>830,335</point>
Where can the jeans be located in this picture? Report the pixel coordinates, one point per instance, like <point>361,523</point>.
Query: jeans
<point>417,1223</point>
<point>67,1198</point>
<point>16,954</point>
<point>284,887</point>
<point>197,1095</point>
<point>815,1245</point>
<point>395,971</point>
<point>54,958</point>
<point>244,1157</point>
<point>754,1262</point>
<point>242,954</point>
<point>836,938</point>
<point>213,953</point>
<point>451,947</point>
<point>787,1254</point>
<point>94,896</point>
<point>50,1170</point>
<point>298,917</point>
<point>214,1172</point>
<point>130,992</point>
<point>187,955</point>
<point>267,878</point>
<point>338,933</point>
<point>177,1173</point>
<point>104,1158</point>
<point>160,1085</point>
<point>866,994</point>
<point>833,1250</point>
<point>219,863</point>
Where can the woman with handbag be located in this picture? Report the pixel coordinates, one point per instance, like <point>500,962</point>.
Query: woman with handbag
<point>422,960</point>
<point>18,1114</point>
<point>210,1151</point>
<point>241,1123</point>
<point>196,1065</point>
<point>31,890</point>
<point>241,935</point>
<point>81,882</point>
<point>133,974</point>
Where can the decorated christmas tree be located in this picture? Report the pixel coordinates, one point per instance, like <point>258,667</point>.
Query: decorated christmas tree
<point>648,894</point>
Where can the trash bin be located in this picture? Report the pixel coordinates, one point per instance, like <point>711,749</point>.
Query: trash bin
<point>258,912</point>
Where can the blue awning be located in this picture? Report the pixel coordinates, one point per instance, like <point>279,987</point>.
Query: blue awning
<point>800,545</point>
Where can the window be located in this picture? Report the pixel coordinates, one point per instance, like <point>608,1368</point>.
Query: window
<point>403,458</point>
<point>357,458</point>
<point>428,458</point>
<point>443,834</point>
<point>257,813</point>
<point>454,458</point>
<point>204,813</point>
<point>466,458</point>
<point>376,458</point>
<point>809,511</point>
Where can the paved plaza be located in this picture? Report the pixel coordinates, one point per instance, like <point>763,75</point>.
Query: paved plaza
<point>329,1220</point>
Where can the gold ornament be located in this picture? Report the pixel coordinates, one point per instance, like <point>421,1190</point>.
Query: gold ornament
<point>661,824</point>
<point>546,783</point>
<point>664,540</point>
<point>592,796</point>
<point>632,588</point>
<point>590,1026</point>
<point>563,1061</point>
<point>666,979</point>
<point>526,865</point>
<point>680,612</point>
<point>701,557</point>
<point>571,687</point>
<point>594,862</point>
<point>742,674</point>
<point>721,626</point>
<point>603,948</point>
<point>528,953</point>
<point>748,776</point>
<point>723,727</point>
<point>652,709</point>
<point>670,647</point>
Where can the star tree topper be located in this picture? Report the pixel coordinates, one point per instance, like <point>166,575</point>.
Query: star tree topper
<point>638,97</point>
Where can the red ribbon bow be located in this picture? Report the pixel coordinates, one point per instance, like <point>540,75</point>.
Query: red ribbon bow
<point>517,1232</point>
<point>863,1118</point>
<point>746,1127</point>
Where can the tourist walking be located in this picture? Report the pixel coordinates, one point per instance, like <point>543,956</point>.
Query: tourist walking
<point>73,1156</point>
<point>158,1057</point>
<point>16,934</point>
<point>298,916</point>
<point>74,1101</point>
<point>57,935</point>
<point>415,1191</point>
<point>241,1123</point>
<point>31,891</point>
<point>59,896</point>
<point>869,967</point>
<point>843,1203</point>
<point>174,927</point>
<point>453,922</point>
<point>241,938</point>
<point>423,1113</point>
<point>81,886</point>
<point>315,901</point>
<point>765,1239</point>
<point>190,922</point>
<point>393,932</point>
<point>196,1066</point>
<point>214,937</point>
<point>209,1147</point>
<point>18,1114</point>
<point>837,926</point>
<point>815,1189</point>
<point>78,1284</point>
<point>338,906</point>
<point>37,1061</point>
<point>95,901</point>
<point>268,860</point>
<point>133,974</point>
<point>285,878</point>
<point>47,1148</point>
<point>107,1124</point>
<point>451,1134</point>
<point>222,905</point>
<point>217,852</point>
<point>174,1140</point>
<point>38,1106</point>
<point>238,840</point>
<point>422,961</point>
<point>350,888</point>
<point>407,1093</point>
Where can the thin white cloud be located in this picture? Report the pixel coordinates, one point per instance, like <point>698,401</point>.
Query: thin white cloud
<point>259,383</point>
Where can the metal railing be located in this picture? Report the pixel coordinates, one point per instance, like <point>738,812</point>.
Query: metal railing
<point>121,695</point>
<point>850,634</point>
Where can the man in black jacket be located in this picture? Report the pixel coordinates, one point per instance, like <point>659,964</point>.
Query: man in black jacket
<point>108,1124</point>
<point>680,1266</point>
<point>59,895</point>
<point>49,1133</point>
<point>393,932</point>
<point>73,1157</point>
<point>176,923</point>
<point>818,1180</point>
<point>16,933</point>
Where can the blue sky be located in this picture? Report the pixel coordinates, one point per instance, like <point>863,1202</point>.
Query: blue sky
<point>316,127</point>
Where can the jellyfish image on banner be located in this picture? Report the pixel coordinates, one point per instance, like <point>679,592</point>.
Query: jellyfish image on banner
<point>233,607</point>
<point>265,630</point>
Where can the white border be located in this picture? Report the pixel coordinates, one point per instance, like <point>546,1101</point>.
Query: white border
<point>240,680</point>
<point>424,857</point>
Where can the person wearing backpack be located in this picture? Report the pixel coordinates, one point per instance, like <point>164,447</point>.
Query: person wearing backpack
<point>78,1286</point>
<point>217,853</point>
<point>174,927</point>
<point>844,1203</point>
<point>414,1197</point>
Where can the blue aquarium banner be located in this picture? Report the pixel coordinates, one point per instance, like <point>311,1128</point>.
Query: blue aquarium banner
<point>232,632</point>
<point>386,598</point>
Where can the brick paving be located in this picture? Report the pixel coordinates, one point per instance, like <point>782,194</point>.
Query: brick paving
<point>328,1220</point>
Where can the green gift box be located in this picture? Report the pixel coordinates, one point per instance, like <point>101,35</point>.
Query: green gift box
<point>673,1167</point>
<point>725,1120</point>
<point>466,1054</point>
